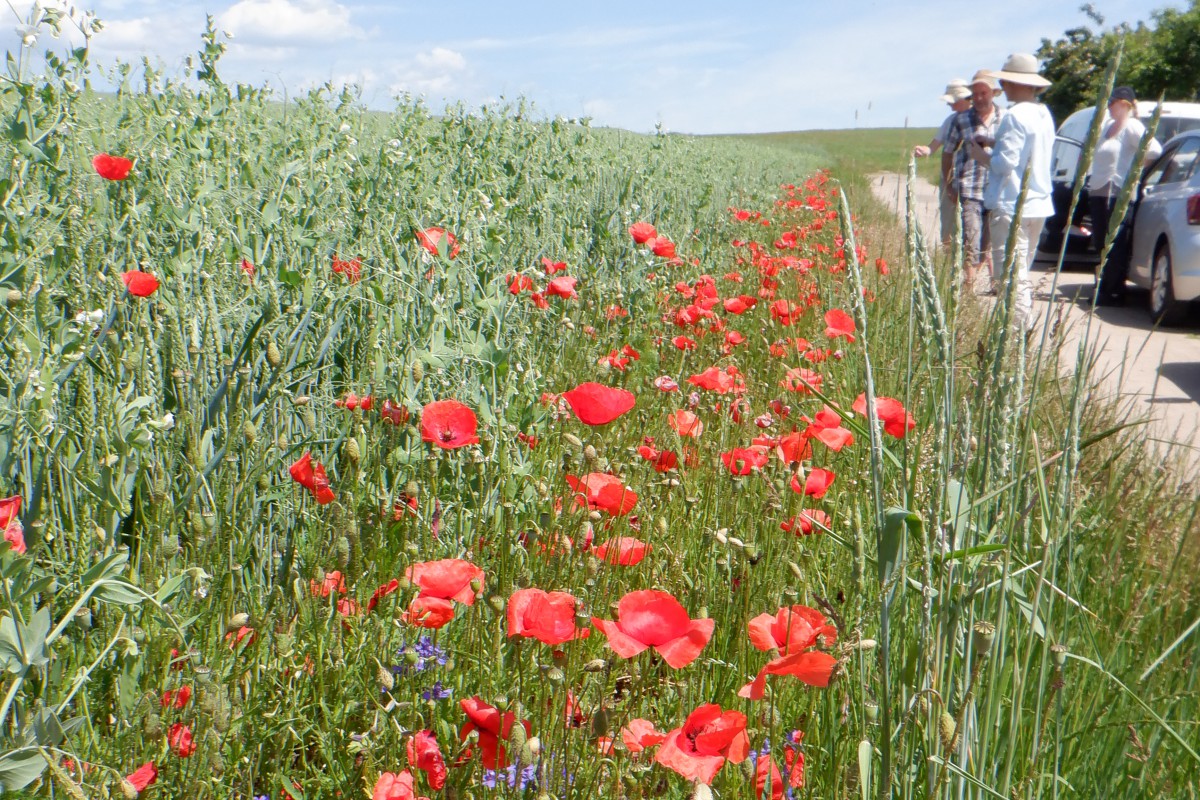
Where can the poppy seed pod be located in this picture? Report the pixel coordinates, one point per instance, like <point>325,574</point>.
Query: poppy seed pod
<point>14,298</point>
<point>981,638</point>
<point>1058,654</point>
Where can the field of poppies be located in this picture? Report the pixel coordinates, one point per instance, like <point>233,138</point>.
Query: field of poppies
<point>481,455</point>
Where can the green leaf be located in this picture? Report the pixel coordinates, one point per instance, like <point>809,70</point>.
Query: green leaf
<point>865,751</point>
<point>121,593</point>
<point>106,568</point>
<point>19,768</point>
<point>896,523</point>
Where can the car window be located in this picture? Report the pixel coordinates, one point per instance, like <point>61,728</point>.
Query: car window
<point>1168,128</point>
<point>1065,159</point>
<point>1154,174</point>
<point>1179,167</point>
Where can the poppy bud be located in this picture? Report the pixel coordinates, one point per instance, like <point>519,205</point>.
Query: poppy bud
<point>533,746</point>
<point>310,418</point>
<point>517,739</point>
<point>264,482</point>
<point>128,790</point>
<point>152,725</point>
<point>237,621</point>
<point>795,568</point>
<point>342,546</point>
<point>386,679</point>
<point>351,451</point>
<point>573,440</point>
<point>1058,653</point>
<point>283,643</point>
<point>769,717</point>
<point>418,371</point>
<point>702,790</point>
<point>662,525</point>
<point>946,729</point>
<point>590,455</point>
<point>981,640</point>
<point>595,665</point>
<point>249,432</point>
<point>301,400</point>
<point>600,724</point>
<point>14,298</point>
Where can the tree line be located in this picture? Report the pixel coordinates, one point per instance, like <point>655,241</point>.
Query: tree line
<point>1159,57</point>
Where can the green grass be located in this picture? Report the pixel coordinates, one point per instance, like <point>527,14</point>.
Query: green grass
<point>861,151</point>
<point>169,546</point>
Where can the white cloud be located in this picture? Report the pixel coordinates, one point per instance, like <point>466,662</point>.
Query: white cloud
<point>438,71</point>
<point>290,22</point>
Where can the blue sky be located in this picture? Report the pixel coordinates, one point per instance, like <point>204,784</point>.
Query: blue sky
<point>693,67</point>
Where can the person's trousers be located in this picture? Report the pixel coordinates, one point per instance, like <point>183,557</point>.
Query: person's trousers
<point>1030,230</point>
<point>948,214</point>
<point>1115,268</point>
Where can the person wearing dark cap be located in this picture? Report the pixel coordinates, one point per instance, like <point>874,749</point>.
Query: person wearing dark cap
<point>1119,141</point>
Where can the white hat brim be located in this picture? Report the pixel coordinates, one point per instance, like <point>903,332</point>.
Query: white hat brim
<point>1023,78</point>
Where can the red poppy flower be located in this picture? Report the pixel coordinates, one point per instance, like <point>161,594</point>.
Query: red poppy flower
<point>638,734</point>
<point>785,312</point>
<point>244,633</point>
<point>333,583</point>
<point>662,247</point>
<point>519,283</point>
<point>449,578</point>
<point>684,343</point>
<point>720,381</point>
<point>552,267</point>
<point>176,698</point>
<point>794,448</point>
<point>395,786</point>
<point>539,300</point>
<point>685,423</point>
<point>10,523</point>
<point>597,404</point>
<point>393,413</point>
<point>642,232</point>
<point>896,420</point>
<point>627,350</point>
<point>807,522</point>
<point>179,737</point>
<point>661,460</point>
<point>562,287</point>
<point>143,776</point>
<point>811,666</point>
<point>802,381</point>
<point>112,168</point>
<point>827,429</point>
<point>493,729</point>
<point>382,592</point>
<point>700,747</point>
<point>429,612</point>
<point>734,338</point>
<point>312,478</point>
<point>881,265</point>
<point>425,755</point>
<point>744,460</point>
<point>431,240</point>
<point>740,304</point>
<point>140,284</point>
<point>623,551</point>
<point>548,617</point>
<point>351,269</point>
<point>649,618</point>
<point>603,492</point>
<point>665,383</point>
<point>790,629</point>
<point>816,484</point>
<point>766,771</point>
<point>839,323</point>
<point>248,268</point>
<point>448,424</point>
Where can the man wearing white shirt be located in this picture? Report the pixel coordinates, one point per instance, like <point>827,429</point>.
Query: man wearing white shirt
<point>1024,141</point>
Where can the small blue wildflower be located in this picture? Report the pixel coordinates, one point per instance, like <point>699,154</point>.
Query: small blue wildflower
<point>436,692</point>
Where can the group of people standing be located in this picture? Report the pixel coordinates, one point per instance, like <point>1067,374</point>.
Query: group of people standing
<point>986,153</point>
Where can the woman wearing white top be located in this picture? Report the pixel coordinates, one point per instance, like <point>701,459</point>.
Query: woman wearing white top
<point>1114,156</point>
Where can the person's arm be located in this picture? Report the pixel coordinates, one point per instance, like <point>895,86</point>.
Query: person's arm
<point>923,150</point>
<point>1006,153</point>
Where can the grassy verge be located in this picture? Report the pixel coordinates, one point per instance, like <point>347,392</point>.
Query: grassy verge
<point>492,585</point>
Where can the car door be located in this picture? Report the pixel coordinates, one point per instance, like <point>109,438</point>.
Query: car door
<point>1162,186</point>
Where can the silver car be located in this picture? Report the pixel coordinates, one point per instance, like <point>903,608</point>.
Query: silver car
<point>1165,255</point>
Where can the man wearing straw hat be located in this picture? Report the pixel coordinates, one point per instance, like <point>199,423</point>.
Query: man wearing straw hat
<point>958,96</point>
<point>1024,141</point>
<point>977,124</point>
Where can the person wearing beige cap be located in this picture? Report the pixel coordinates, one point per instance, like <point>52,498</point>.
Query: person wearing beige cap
<point>969,176</point>
<point>1024,143</point>
<point>958,96</point>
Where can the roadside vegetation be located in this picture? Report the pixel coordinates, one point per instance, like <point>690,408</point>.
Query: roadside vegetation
<point>469,455</point>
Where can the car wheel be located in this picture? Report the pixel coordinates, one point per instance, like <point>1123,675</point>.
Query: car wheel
<point>1164,308</point>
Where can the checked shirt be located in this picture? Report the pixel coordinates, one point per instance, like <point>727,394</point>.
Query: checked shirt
<point>969,175</point>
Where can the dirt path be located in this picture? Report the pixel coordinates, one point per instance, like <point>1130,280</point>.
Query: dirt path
<point>1154,373</point>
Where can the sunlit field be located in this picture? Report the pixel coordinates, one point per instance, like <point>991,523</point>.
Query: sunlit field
<point>475,454</point>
